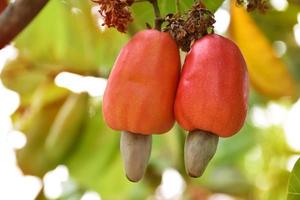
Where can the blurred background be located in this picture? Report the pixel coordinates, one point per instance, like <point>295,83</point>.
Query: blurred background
<point>54,143</point>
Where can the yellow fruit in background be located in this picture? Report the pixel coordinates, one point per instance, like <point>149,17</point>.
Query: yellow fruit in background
<point>268,74</point>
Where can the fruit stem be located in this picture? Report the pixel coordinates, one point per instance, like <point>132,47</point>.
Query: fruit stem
<point>200,147</point>
<point>158,19</point>
<point>135,150</point>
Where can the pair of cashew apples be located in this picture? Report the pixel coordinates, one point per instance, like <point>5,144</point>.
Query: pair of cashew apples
<point>147,90</point>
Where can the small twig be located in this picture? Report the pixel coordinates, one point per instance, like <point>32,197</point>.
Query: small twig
<point>16,17</point>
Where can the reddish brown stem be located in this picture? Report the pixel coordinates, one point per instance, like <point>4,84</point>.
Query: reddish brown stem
<point>3,4</point>
<point>16,17</point>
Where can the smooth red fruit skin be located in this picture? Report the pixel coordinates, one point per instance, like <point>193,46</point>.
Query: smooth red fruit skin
<point>142,86</point>
<point>213,90</point>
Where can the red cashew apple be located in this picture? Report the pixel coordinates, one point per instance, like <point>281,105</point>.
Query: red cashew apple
<point>211,98</point>
<point>140,94</point>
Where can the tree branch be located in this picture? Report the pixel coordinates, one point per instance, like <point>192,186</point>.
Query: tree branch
<point>16,17</point>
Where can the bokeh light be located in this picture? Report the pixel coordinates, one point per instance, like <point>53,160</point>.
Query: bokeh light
<point>78,83</point>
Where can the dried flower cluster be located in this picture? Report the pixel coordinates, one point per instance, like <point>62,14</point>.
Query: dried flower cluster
<point>189,27</point>
<point>116,13</point>
<point>251,5</point>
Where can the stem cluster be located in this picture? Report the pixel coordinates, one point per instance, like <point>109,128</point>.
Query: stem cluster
<point>190,26</point>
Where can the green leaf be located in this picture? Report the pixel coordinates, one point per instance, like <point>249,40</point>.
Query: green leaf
<point>294,183</point>
<point>213,5</point>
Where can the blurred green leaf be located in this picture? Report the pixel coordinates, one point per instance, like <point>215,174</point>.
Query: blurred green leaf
<point>65,35</point>
<point>19,71</point>
<point>294,183</point>
<point>96,163</point>
<point>35,123</point>
<point>67,126</point>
